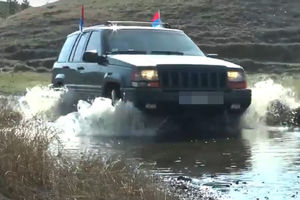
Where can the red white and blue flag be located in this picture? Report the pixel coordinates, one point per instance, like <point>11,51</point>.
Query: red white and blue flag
<point>156,21</point>
<point>81,23</point>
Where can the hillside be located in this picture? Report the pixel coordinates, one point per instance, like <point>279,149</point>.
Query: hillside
<point>258,34</point>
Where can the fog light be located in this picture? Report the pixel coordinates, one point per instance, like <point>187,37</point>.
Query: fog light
<point>150,106</point>
<point>235,106</point>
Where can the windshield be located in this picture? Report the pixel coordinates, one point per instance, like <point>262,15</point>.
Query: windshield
<point>160,42</point>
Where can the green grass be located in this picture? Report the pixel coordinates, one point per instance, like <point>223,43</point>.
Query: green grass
<point>16,83</point>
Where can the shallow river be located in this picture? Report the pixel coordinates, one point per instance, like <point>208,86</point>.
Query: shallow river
<point>262,162</point>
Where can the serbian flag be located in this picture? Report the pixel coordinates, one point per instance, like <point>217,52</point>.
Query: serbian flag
<point>81,23</point>
<point>156,22</point>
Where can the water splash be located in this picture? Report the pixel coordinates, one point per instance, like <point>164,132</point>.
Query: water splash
<point>96,118</point>
<point>41,102</point>
<point>264,94</point>
<point>101,118</point>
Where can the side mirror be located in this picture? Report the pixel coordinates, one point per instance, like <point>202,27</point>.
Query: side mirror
<point>90,56</point>
<point>212,55</point>
<point>102,60</point>
<point>93,57</point>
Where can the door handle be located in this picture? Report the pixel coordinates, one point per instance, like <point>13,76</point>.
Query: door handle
<point>80,68</point>
<point>66,67</point>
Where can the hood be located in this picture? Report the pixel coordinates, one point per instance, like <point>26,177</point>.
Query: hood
<point>154,60</point>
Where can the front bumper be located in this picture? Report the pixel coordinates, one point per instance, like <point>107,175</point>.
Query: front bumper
<point>233,100</point>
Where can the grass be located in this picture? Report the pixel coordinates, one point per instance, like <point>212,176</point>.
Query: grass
<point>29,170</point>
<point>16,83</point>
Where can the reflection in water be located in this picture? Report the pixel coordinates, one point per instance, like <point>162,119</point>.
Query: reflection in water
<point>260,164</point>
<point>196,158</point>
<point>274,171</point>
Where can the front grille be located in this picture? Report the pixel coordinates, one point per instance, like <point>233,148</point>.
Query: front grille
<point>197,78</point>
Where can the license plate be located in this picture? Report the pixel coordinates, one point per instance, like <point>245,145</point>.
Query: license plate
<point>201,98</point>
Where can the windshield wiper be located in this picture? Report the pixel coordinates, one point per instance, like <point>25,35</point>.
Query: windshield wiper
<point>127,52</point>
<point>167,52</point>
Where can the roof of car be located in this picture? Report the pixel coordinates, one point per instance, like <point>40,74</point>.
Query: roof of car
<point>121,27</point>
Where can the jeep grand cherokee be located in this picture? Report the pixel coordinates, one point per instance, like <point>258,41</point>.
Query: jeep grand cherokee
<point>159,69</point>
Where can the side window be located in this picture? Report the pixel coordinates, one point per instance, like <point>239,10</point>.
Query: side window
<point>95,42</point>
<point>67,48</point>
<point>80,47</point>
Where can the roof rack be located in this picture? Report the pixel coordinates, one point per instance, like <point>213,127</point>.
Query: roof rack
<point>116,23</point>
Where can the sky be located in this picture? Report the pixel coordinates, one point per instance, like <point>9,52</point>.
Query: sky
<point>36,3</point>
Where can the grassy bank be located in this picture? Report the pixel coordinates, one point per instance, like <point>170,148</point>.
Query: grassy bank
<point>16,83</point>
<point>29,171</point>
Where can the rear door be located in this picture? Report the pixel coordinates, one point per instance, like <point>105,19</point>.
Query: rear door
<point>76,64</point>
<point>62,72</point>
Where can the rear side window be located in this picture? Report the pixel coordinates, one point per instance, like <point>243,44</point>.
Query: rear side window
<point>95,42</point>
<point>67,48</point>
<point>80,47</point>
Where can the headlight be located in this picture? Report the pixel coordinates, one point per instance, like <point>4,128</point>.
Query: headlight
<point>236,80</point>
<point>145,75</point>
<point>145,78</point>
<point>149,74</point>
<point>236,76</point>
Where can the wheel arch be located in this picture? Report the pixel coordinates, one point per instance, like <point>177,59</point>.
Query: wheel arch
<point>59,80</point>
<point>109,86</point>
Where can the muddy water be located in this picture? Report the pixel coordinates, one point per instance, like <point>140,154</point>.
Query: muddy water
<point>261,162</point>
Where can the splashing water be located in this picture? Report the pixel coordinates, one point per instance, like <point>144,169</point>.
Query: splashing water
<point>101,118</point>
<point>263,94</point>
<point>41,102</point>
<point>96,118</point>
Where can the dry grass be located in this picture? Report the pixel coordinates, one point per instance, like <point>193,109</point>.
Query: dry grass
<point>29,171</point>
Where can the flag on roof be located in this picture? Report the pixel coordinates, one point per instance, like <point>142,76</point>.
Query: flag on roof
<point>81,24</point>
<point>156,21</point>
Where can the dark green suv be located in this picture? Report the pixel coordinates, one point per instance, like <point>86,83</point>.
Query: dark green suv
<point>158,69</point>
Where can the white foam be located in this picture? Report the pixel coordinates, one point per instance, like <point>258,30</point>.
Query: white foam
<point>263,94</point>
<point>41,102</point>
<point>101,118</point>
<point>96,118</point>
